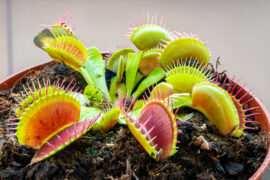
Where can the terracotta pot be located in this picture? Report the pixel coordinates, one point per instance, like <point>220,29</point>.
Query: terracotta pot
<point>263,118</point>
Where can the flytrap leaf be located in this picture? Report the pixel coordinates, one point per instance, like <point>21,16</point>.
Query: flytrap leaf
<point>222,107</point>
<point>217,105</point>
<point>149,61</point>
<point>115,87</point>
<point>88,113</point>
<point>165,88</point>
<point>46,115</point>
<point>114,59</point>
<point>156,75</point>
<point>93,71</point>
<point>64,49</point>
<point>93,94</point>
<point>132,66</point>
<point>107,120</point>
<point>116,81</point>
<point>183,76</point>
<point>62,139</point>
<point>155,128</point>
<point>149,34</point>
<point>181,100</point>
<point>121,70</point>
<point>181,47</point>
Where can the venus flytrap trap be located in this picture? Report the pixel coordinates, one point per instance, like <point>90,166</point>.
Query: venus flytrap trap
<point>62,48</point>
<point>48,102</point>
<point>220,108</point>
<point>184,46</point>
<point>65,48</point>
<point>155,128</point>
<point>149,61</point>
<point>149,33</point>
<point>224,108</point>
<point>48,119</point>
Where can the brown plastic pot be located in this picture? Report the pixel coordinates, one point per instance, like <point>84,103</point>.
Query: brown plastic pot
<point>263,118</point>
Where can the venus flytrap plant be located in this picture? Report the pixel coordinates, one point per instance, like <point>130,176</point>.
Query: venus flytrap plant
<point>184,74</point>
<point>52,117</point>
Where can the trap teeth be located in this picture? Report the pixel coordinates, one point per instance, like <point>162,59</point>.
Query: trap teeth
<point>183,76</point>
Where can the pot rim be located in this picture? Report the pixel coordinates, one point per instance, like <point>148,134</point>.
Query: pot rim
<point>263,117</point>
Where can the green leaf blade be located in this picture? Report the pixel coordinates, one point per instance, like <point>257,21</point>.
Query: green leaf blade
<point>132,67</point>
<point>156,75</point>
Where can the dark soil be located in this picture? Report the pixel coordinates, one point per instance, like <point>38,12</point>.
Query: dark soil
<point>203,153</point>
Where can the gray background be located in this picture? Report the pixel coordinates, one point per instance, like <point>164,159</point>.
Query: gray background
<point>238,31</point>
